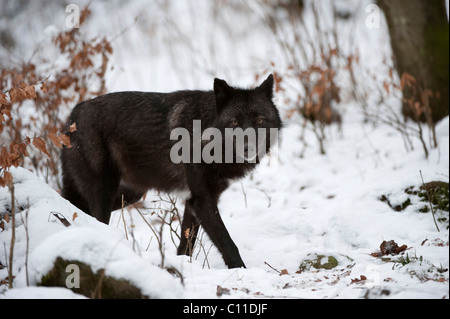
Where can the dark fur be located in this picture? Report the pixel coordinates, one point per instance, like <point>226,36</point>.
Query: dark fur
<point>122,146</point>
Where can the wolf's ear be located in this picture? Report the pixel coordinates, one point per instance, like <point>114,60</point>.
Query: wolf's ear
<point>223,93</point>
<point>267,87</point>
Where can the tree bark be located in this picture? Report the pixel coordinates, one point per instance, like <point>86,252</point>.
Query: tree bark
<point>419,33</point>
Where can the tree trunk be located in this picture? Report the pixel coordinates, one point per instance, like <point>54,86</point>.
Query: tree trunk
<point>419,33</point>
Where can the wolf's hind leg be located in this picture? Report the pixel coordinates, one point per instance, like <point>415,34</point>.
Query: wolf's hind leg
<point>71,193</point>
<point>102,191</point>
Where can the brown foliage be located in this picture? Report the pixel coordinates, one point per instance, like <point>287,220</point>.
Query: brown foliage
<point>314,59</point>
<point>39,143</point>
<point>26,87</point>
<point>389,248</point>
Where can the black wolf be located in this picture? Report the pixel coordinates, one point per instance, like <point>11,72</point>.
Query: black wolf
<point>122,146</point>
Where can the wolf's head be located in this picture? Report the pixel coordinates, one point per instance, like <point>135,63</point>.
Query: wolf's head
<point>250,115</point>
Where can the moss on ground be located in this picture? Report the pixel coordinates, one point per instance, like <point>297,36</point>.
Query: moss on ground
<point>89,284</point>
<point>436,192</point>
<point>317,263</point>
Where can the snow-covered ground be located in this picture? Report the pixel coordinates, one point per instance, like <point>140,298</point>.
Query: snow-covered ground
<point>319,205</point>
<point>283,217</point>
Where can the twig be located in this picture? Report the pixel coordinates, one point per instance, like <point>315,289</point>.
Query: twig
<point>245,195</point>
<point>429,200</point>
<point>135,243</point>
<point>206,256</point>
<point>124,30</point>
<point>175,272</point>
<point>97,292</point>
<point>161,248</point>
<point>272,267</point>
<point>13,235</point>
<point>123,218</point>
<point>267,195</point>
<point>199,242</point>
<point>174,215</point>
<point>25,225</point>
<point>61,218</point>
<point>156,236</point>
<point>6,256</point>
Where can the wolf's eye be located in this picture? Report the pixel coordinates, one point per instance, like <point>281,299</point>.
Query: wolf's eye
<point>234,123</point>
<point>260,120</point>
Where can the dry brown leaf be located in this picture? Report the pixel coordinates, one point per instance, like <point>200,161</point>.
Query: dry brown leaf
<point>3,99</point>
<point>386,86</point>
<point>65,140</point>
<point>17,95</point>
<point>389,248</point>
<point>8,179</point>
<point>4,157</point>
<point>6,109</point>
<point>16,153</point>
<point>222,291</point>
<point>40,144</point>
<point>30,92</point>
<point>73,127</point>
<point>44,87</point>
<point>55,140</point>
<point>284,272</point>
<point>21,147</point>
<point>22,85</point>
<point>362,279</point>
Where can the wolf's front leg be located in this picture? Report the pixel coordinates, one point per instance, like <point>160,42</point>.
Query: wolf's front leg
<point>211,221</point>
<point>203,203</point>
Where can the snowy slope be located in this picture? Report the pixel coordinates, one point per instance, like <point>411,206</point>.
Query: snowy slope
<point>281,217</point>
<point>320,205</point>
<point>87,241</point>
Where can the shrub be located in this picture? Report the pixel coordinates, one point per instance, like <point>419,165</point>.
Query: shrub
<point>35,100</point>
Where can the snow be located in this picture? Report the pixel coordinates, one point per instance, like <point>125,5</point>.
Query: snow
<point>319,205</point>
<point>87,241</point>
<point>41,293</point>
<point>297,208</point>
